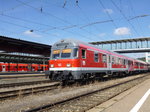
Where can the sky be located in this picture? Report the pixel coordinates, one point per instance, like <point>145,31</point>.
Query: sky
<point>47,21</point>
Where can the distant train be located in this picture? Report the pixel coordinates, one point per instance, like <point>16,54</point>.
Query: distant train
<point>75,60</point>
<point>14,67</point>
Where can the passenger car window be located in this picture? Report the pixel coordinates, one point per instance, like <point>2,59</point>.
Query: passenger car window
<point>124,62</point>
<point>96,57</point>
<point>104,58</point>
<point>83,54</point>
<point>113,60</point>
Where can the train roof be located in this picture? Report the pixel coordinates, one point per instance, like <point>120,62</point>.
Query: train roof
<point>70,42</point>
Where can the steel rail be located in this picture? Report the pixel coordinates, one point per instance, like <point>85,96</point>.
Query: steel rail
<point>23,83</point>
<point>26,91</point>
<point>25,76</point>
<point>51,105</point>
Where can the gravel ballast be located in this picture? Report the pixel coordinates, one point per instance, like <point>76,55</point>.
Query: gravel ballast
<point>32,101</point>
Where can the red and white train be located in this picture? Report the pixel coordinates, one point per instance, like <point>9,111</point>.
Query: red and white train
<point>75,60</point>
<point>14,67</point>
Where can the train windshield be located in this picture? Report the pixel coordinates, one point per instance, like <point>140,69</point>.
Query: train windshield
<point>66,53</point>
<point>56,54</point>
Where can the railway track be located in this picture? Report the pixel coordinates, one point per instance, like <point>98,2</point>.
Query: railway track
<point>23,83</point>
<point>23,76</point>
<point>86,101</point>
<point>26,91</point>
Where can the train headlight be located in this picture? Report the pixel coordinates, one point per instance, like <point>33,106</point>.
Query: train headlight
<point>68,65</point>
<point>52,65</point>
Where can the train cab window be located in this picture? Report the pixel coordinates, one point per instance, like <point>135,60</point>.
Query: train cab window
<point>104,58</point>
<point>56,54</point>
<point>75,52</point>
<point>83,54</point>
<point>66,53</point>
<point>96,57</point>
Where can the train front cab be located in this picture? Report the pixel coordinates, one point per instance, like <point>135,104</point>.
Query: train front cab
<point>64,61</point>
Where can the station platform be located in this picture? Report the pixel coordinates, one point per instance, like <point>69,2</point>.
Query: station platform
<point>21,75</point>
<point>136,99</point>
<point>19,78</point>
<point>20,72</point>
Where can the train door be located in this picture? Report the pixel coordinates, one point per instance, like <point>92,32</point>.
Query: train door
<point>83,57</point>
<point>3,68</point>
<point>130,65</point>
<point>126,64</point>
<point>109,64</point>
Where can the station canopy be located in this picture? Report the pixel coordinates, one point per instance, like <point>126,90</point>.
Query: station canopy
<point>21,51</point>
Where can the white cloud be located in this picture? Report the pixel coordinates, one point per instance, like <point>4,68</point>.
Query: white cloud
<point>110,11</point>
<point>122,31</point>
<point>101,34</point>
<point>31,34</point>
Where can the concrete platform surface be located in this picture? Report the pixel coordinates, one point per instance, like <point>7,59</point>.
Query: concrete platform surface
<point>18,78</point>
<point>136,99</point>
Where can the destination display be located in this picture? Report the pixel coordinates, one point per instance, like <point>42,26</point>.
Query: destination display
<point>56,51</point>
<point>66,51</point>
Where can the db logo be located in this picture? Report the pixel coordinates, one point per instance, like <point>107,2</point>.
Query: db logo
<point>59,64</point>
<point>83,62</point>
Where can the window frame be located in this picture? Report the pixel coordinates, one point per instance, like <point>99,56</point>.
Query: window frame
<point>52,56</point>
<point>96,58</point>
<point>104,58</point>
<point>75,52</point>
<point>113,60</point>
<point>84,54</point>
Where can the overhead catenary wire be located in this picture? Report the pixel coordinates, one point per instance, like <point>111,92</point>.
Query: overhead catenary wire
<point>121,12</point>
<point>88,20</point>
<point>103,6</point>
<point>39,24</point>
<point>36,23</point>
<point>44,32</point>
<point>98,22</point>
<point>29,21</point>
<point>137,17</point>
<point>65,2</point>
<point>16,24</point>
<point>10,9</point>
<point>28,28</point>
<point>69,26</point>
<point>23,3</point>
<point>46,13</point>
<point>109,16</point>
<point>6,30</point>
